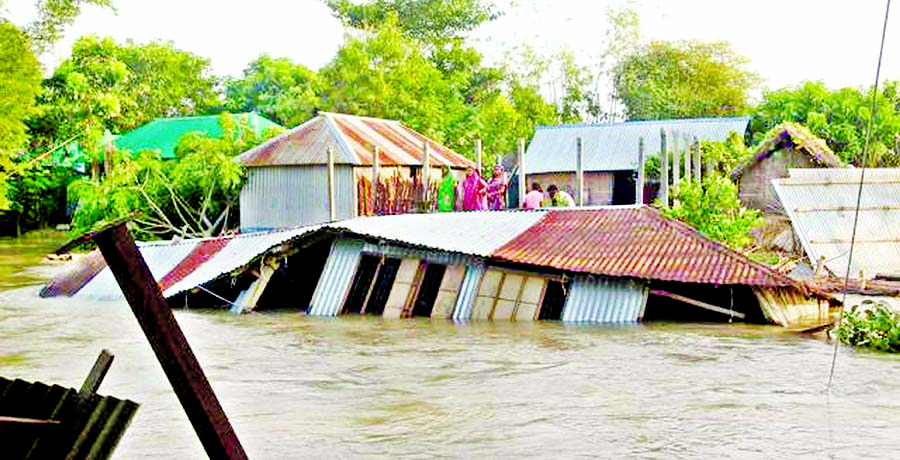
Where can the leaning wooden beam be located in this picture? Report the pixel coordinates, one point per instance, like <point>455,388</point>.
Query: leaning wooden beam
<point>98,372</point>
<point>700,304</point>
<point>169,344</point>
<point>248,299</point>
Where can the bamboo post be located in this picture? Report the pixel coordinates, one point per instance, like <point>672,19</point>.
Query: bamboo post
<point>663,170</point>
<point>676,162</point>
<point>521,159</point>
<point>579,170</point>
<point>689,150</point>
<point>698,162</point>
<point>426,171</point>
<point>169,343</point>
<point>376,159</point>
<point>639,184</point>
<point>478,156</point>
<point>332,209</point>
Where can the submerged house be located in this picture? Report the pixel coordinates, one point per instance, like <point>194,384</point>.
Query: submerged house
<point>821,205</point>
<point>291,181</point>
<point>610,152</point>
<point>162,134</point>
<point>622,264</point>
<point>788,145</point>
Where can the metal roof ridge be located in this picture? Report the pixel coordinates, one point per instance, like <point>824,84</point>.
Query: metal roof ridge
<point>289,132</point>
<point>636,122</point>
<point>352,158</point>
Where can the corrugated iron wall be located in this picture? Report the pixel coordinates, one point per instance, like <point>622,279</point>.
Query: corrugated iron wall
<point>605,300</point>
<point>467,291</point>
<point>336,278</point>
<point>290,196</point>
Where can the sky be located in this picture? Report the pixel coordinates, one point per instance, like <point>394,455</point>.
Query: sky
<point>787,41</point>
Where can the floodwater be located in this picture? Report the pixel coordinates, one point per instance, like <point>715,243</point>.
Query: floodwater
<point>298,387</point>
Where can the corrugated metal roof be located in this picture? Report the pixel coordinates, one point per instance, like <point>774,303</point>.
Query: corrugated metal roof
<point>477,233</point>
<point>614,146</point>
<point>821,205</point>
<point>337,275</point>
<point>636,242</point>
<point>605,300</point>
<point>353,139</point>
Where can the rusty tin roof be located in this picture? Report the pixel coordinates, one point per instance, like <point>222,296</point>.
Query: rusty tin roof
<point>635,242</point>
<point>353,139</point>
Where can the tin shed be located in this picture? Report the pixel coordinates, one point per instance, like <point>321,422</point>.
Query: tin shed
<point>288,176</point>
<point>610,152</point>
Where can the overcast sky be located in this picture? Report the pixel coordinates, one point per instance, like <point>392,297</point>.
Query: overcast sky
<point>787,41</point>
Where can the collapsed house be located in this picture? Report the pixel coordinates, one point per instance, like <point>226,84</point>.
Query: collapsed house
<point>616,264</point>
<point>323,169</point>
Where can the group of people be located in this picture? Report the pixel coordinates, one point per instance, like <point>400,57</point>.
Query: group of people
<point>476,194</point>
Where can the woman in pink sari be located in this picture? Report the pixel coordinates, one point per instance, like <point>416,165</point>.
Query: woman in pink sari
<point>496,189</point>
<point>474,191</point>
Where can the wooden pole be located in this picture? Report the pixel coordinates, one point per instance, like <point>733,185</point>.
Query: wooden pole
<point>579,170</point>
<point>676,162</point>
<point>663,170</point>
<point>169,344</point>
<point>332,209</point>
<point>698,162</point>
<point>376,159</point>
<point>522,184</point>
<point>426,171</point>
<point>689,150</point>
<point>478,156</point>
<point>639,183</point>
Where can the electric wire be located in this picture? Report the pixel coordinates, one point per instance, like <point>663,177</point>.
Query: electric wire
<point>862,178</point>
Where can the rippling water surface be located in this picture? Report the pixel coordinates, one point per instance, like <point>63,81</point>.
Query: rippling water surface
<point>368,388</point>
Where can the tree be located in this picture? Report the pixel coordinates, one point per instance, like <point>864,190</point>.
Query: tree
<point>193,197</point>
<point>685,79</point>
<point>433,21</point>
<point>715,210</point>
<point>841,117</point>
<point>53,17</point>
<point>283,91</point>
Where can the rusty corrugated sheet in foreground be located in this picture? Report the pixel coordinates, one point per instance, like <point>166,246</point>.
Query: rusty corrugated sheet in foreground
<point>353,139</point>
<point>636,242</point>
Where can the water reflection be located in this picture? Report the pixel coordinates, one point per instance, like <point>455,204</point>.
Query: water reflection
<point>372,388</point>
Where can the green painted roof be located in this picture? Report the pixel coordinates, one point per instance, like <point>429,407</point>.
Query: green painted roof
<point>163,134</point>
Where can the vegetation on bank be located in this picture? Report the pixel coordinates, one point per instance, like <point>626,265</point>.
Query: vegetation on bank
<point>402,59</point>
<point>873,325</point>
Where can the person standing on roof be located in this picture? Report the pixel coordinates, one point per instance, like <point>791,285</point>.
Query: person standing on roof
<point>534,198</point>
<point>496,189</point>
<point>447,192</point>
<point>558,198</point>
<point>474,191</point>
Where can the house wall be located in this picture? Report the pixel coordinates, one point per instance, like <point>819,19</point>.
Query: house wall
<point>598,185</point>
<point>291,196</point>
<point>755,186</point>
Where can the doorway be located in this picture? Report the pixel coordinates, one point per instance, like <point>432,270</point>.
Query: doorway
<point>428,289</point>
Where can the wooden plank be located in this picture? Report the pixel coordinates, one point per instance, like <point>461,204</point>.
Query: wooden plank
<point>700,304</point>
<point>169,343</point>
<point>98,372</point>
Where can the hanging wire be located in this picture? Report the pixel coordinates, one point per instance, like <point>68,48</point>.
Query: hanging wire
<point>862,178</point>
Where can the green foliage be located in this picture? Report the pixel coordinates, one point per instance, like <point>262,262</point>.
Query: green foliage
<point>193,197</point>
<point>20,78</point>
<point>429,20</point>
<point>715,210</point>
<point>838,116</point>
<point>683,80</point>
<point>872,325</point>
<point>54,16</point>
<point>107,86</point>
<point>726,156</point>
<point>279,89</point>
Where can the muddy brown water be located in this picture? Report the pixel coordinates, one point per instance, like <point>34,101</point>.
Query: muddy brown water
<point>298,387</point>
